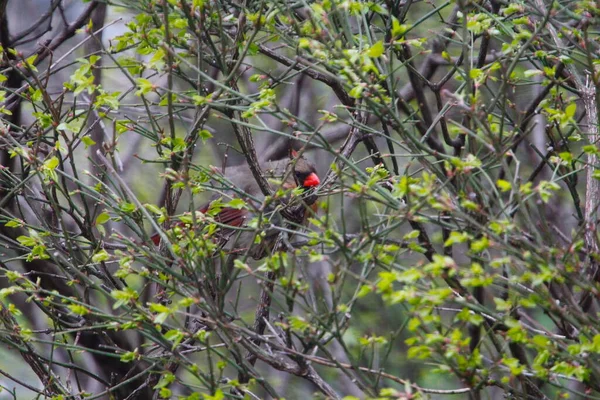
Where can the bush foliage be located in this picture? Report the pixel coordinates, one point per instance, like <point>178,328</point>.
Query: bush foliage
<point>454,252</point>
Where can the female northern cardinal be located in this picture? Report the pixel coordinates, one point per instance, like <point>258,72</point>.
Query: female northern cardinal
<point>296,172</point>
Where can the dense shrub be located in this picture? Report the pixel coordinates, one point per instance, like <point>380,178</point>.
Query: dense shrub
<point>453,250</point>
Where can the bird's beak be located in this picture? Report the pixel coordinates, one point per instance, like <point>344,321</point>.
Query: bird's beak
<point>311,180</point>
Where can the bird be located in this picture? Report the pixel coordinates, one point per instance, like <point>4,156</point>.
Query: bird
<point>292,173</point>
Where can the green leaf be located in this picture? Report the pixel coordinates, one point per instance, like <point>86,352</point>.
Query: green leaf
<point>376,50</point>
<point>513,364</point>
<point>502,305</point>
<point>199,100</point>
<point>145,86</point>
<point>165,381</point>
<point>570,110</point>
<point>102,218</point>
<point>411,235</point>
<point>356,91</point>
<point>456,238</point>
<point>364,290</point>
<point>238,204</point>
<point>79,309</point>
<point>477,246</point>
<point>503,185</point>
<point>88,141</point>
<point>157,60</point>
<point>100,256</point>
<point>130,356</point>
<point>30,61</point>
<point>26,241</point>
<point>475,73</point>
<point>127,207</point>
<point>15,223</point>
<point>158,308</point>
<point>419,352</point>
<point>153,209</point>
<point>51,163</point>
<point>205,135</point>
<point>590,149</point>
<point>566,156</point>
<point>469,316</point>
<point>398,30</point>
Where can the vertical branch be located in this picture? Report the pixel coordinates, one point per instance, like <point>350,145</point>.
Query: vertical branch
<point>93,47</point>
<point>172,196</point>
<point>592,187</point>
<point>261,317</point>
